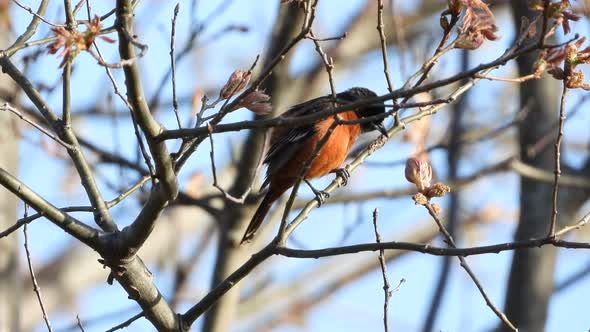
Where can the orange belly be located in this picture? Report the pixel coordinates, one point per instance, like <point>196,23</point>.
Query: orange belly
<point>331,155</point>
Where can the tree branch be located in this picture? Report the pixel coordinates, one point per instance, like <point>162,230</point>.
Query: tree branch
<point>72,226</point>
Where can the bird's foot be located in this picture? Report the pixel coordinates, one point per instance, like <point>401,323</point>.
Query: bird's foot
<point>320,195</point>
<point>343,173</point>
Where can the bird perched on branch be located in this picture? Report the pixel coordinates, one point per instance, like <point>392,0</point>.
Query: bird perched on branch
<point>291,147</point>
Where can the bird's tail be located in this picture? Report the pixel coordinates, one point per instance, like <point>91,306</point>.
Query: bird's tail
<point>258,217</point>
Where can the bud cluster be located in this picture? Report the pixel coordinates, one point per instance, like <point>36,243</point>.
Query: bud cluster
<point>256,101</point>
<point>478,25</point>
<point>550,61</point>
<point>74,41</point>
<point>419,173</point>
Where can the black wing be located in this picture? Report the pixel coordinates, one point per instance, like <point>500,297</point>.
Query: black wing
<point>282,150</point>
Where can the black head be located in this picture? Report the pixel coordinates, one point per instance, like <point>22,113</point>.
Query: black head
<point>357,94</point>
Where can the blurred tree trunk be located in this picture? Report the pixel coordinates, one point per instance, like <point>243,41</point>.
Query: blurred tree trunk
<point>9,282</point>
<point>531,281</point>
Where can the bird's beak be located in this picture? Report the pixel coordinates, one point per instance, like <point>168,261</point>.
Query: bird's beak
<point>381,128</point>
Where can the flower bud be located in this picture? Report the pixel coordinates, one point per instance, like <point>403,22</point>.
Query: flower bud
<point>256,96</point>
<point>236,83</point>
<point>257,102</point>
<point>420,199</point>
<point>438,190</point>
<point>263,108</point>
<point>419,173</point>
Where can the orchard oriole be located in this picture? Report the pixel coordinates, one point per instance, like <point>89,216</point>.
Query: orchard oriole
<point>291,147</point>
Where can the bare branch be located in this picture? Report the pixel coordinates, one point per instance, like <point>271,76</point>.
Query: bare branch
<point>102,216</point>
<point>72,226</point>
<point>148,124</point>
<point>126,323</point>
<point>38,16</point>
<point>558,141</point>
<point>380,29</point>
<point>173,65</point>
<point>386,291</point>
<point>433,250</point>
<point>142,149</point>
<point>78,320</point>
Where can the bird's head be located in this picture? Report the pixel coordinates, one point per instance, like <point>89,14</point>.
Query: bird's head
<point>357,94</point>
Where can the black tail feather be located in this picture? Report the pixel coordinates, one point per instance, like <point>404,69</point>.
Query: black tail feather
<point>258,218</point>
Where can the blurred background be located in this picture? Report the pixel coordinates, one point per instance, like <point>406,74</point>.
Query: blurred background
<point>467,143</point>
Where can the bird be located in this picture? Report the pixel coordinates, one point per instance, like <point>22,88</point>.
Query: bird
<point>291,147</point>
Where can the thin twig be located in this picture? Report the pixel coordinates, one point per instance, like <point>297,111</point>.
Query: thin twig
<point>228,283</point>
<point>27,220</point>
<point>126,323</point>
<point>242,198</point>
<point>127,192</point>
<point>557,170</point>
<point>239,200</point>
<point>508,79</point>
<point>78,7</point>
<point>343,36</point>
<point>23,221</point>
<point>195,29</point>
<point>271,249</point>
<point>79,322</point>
<point>578,225</point>
<point>163,163</point>
<point>66,104</point>
<point>189,146</point>
<point>146,156</point>
<point>328,63</point>
<point>32,12</point>
<point>433,250</point>
<point>173,65</point>
<point>8,107</point>
<point>30,31</point>
<point>36,287</point>
<point>465,266</point>
<point>117,65</point>
<point>380,29</point>
<point>422,74</point>
<point>70,19</point>
<point>386,292</point>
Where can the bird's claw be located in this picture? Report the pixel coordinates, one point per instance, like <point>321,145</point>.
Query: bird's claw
<point>343,173</point>
<point>320,195</point>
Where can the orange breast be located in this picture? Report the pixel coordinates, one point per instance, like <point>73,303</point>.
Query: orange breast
<point>331,155</point>
<point>335,150</point>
